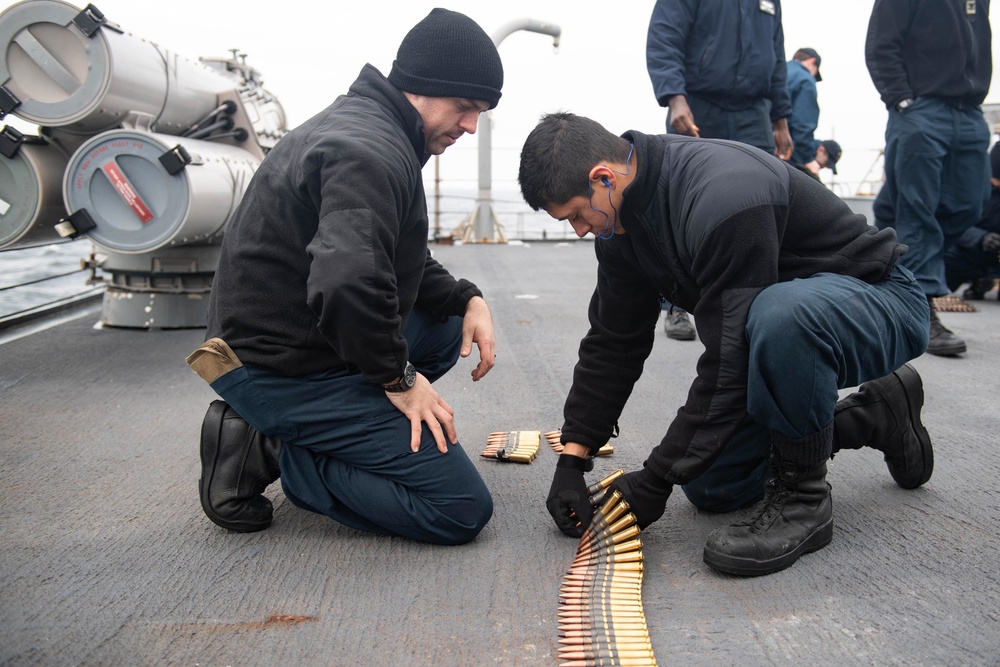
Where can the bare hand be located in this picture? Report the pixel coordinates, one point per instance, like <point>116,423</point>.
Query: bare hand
<point>477,327</point>
<point>681,118</point>
<point>423,405</point>
<point>783,145</point>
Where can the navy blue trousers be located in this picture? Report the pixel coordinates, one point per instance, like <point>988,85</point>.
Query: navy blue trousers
<point>809,338</point>
<point>963,265</point>
<point>346,451</point>
<point>937,183</point>
<point>749,126</point>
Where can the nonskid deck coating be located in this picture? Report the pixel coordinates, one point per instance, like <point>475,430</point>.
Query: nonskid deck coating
<point>107,558</point>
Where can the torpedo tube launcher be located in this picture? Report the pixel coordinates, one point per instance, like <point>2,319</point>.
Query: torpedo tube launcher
<point>31,174</point>
<point>148,151</point>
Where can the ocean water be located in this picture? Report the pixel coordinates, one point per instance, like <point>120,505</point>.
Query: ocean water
<point>35,277</point>
<point>26,274</point>
<point>516,218</point>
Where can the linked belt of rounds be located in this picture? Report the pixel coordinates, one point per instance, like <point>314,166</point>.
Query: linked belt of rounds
<point>601,617</point>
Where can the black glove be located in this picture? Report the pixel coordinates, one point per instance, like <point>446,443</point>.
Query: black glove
<point>990,242</point>
<point>645,493</point>
<point>568,501</point>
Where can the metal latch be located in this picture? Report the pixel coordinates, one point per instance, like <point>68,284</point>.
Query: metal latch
<point>75,224</point>
<point>89,20</point>
<point>8,101</point>
<point>10,141</point>
<point>175,159</point>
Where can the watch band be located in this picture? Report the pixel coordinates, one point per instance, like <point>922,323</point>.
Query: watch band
<point>406,380</point>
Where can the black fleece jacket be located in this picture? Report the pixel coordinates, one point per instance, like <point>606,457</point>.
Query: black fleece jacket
<point>327,253</point>
<point>709,224</point>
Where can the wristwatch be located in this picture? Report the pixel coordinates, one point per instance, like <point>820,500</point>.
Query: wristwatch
<point>406,380</point>
<point>903,105</point>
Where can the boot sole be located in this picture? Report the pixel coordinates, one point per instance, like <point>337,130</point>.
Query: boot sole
<point>682,335</point>
<point>751,567</point>
<point>947,350</point>
<point>211,436</point>
<point>915,402</point>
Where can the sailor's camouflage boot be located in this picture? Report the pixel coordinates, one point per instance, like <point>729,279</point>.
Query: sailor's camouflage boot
<point>237,464</point>
<point>885,414</point>
<point>794,518</point>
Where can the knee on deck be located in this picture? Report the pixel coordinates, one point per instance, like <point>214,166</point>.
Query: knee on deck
<point>461,521</point>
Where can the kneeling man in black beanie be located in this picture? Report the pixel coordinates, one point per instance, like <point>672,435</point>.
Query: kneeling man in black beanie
<point>329,319</point>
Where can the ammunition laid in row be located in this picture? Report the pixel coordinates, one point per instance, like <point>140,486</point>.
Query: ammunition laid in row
<point>601,617</point>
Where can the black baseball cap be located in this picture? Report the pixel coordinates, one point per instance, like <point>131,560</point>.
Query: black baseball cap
<point>812,54</point>
<point>833,153</point>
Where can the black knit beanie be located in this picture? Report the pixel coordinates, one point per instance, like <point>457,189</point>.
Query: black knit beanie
<point>448,55</point>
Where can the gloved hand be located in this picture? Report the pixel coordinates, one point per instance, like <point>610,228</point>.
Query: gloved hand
<point>990,242</point>
<point>568,501</point>
<point>645,493</point>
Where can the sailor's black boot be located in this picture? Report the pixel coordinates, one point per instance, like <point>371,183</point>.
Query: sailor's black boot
<point>942,341</point>
<point>237,464</point>
<point>885,414</point>
<point>794,518</point>
<point>978,288</point>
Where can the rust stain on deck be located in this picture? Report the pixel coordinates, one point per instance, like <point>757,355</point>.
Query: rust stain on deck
<point>287,619</point>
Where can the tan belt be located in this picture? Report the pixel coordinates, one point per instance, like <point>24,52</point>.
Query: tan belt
<point>213,360</point>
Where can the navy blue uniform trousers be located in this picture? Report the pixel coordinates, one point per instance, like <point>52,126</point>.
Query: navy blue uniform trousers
<point>346,451</point>
<point>809,338</point>
<point>748,126</point>
<point>964,265</point>
<point>937,183</point>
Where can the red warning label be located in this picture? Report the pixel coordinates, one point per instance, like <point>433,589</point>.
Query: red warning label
<point>127,192</point>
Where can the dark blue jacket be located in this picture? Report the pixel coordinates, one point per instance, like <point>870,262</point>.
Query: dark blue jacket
<point>729,52</point>
<point>805,112</point>
<point>931,48</point>
<point>327,253</point>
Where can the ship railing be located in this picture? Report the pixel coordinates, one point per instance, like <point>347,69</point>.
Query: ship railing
<point>44,280</point>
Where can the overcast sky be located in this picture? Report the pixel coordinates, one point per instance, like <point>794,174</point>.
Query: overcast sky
<point>309,52</point>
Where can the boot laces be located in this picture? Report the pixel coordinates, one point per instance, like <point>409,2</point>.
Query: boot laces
<point>776,494</point>
<point>938,328</point>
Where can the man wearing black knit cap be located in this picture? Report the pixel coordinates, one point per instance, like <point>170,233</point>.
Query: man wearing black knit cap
<point>329,319</point>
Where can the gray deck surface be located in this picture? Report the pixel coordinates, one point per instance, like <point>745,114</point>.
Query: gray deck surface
<point>107,559</point>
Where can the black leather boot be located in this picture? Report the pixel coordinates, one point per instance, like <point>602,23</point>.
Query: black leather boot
<point>795,517</point>
<point>885,414</point>
<point>978,288</point>
<point>237,464</point>
<point>943,342</point>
